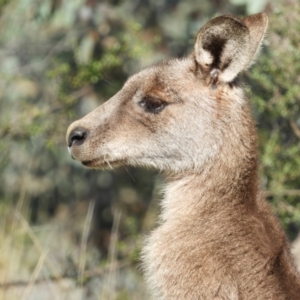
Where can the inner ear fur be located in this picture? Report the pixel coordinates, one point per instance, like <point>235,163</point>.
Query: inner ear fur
<point>227,45</point>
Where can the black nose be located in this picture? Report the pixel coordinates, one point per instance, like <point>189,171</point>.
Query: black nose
<point>77,136</point>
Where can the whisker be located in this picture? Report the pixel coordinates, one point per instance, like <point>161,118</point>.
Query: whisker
<point>129,174</point>
<point>108,163</point>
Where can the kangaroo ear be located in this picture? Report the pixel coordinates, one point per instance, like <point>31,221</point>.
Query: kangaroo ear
<point>257,25</point>
<point>226,45</point>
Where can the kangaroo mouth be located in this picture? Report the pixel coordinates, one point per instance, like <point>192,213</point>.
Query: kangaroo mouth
<point>102,164</point>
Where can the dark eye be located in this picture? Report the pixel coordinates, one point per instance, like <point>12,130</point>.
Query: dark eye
<point>152,104</point>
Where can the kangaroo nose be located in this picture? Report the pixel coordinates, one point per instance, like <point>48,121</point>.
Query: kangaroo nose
<point>77,136</point>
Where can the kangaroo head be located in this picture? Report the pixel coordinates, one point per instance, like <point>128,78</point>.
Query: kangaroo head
<point>177,115</point>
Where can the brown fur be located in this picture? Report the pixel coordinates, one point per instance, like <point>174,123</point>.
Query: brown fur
<point>217,238</point>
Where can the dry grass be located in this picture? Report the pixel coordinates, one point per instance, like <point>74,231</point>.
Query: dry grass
<point>45,262</point>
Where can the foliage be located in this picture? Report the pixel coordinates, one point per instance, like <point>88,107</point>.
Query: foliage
<point>61,59</point>
<point>275,93</point>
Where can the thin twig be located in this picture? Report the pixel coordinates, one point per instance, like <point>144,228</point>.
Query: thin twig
<point>113,249</point>
<point>108,291</point>
<point>35,275</point>
<point>85,234</point>
<point>38,246</point>
<point>21,199</point>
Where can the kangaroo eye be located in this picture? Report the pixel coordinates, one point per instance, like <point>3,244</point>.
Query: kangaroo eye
<point>152,105</point>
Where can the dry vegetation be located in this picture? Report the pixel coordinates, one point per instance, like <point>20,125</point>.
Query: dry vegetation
<point>46,262</point>
<point>69,233</point>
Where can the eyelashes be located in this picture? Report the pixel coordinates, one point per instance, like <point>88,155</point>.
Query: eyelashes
<point>152,104</point>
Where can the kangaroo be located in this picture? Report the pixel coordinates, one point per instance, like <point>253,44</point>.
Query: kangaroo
<point>217,238</point>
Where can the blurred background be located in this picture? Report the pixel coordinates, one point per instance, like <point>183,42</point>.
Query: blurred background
<point>71,233</point>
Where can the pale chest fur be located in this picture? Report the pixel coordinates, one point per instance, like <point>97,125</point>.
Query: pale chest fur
<point>175,266</point>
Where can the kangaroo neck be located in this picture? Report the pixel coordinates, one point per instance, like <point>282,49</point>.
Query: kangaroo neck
<point>207,192</point>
